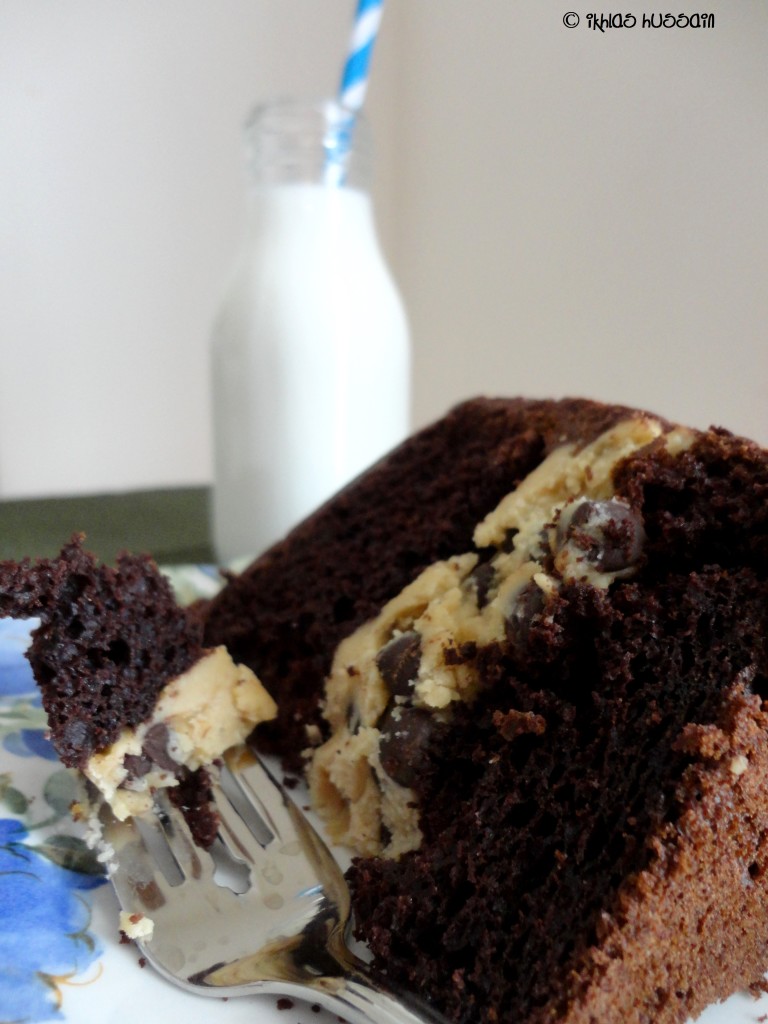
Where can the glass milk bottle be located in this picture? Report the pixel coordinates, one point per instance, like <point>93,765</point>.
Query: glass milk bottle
<point>310,353</point>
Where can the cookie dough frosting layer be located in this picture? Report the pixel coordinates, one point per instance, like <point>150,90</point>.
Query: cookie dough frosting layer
<point>198,715</point>
<point>395,680</point>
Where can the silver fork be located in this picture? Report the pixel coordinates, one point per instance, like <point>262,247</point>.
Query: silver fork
<point>266,911</point>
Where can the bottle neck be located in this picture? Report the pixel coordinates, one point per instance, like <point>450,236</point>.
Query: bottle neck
<point>291,142</point>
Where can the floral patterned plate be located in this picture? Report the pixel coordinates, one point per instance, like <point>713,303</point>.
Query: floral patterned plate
<point>61,958</point>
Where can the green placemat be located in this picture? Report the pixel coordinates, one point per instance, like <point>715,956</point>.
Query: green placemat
<point>171,525</point>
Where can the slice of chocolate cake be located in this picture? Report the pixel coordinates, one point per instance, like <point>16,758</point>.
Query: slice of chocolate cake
<point>529,650</point>
<point>285,615</point>
<point>134,700</point>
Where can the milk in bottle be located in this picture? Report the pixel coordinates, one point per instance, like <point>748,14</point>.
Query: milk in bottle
<point>310,355</point>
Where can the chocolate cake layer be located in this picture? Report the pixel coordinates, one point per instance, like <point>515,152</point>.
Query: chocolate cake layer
<point>564,718</point>
<point>285,615</point>
<point>576,815</point>
<point>108,641</point>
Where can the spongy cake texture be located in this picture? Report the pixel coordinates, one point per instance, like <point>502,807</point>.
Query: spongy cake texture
<point>595,821</point>
<point>108,640</point>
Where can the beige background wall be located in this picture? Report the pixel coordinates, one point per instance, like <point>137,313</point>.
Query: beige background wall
<point>567,211</point>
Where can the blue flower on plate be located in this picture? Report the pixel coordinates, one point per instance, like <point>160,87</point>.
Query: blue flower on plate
<point>23,729</point>
<point>44,919</point>
<point>30,743</point>
<point>15,671</point>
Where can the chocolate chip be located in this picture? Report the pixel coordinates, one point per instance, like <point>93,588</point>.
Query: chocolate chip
<point>353,717</point>
<point>528,604</point>
<point>77,734</point>
<point>155,747</point>
<point>609,533</point>
<point>398,662</point>
<point>482,579</point>
<point>461,654</point>
<point>137,765</point>
<point>508,543</point>
<point>406,736</point>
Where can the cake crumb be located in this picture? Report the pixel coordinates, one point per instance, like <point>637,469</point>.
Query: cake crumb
<point>79,811</point>
<point>707,741</point>
<point>283,1003</point>
<point>136,926</point>
<point>738,765</point>
<point>314,736</point>
<point>519,723</point>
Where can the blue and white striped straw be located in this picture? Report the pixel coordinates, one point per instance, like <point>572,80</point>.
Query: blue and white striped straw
<point>354,82</point>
